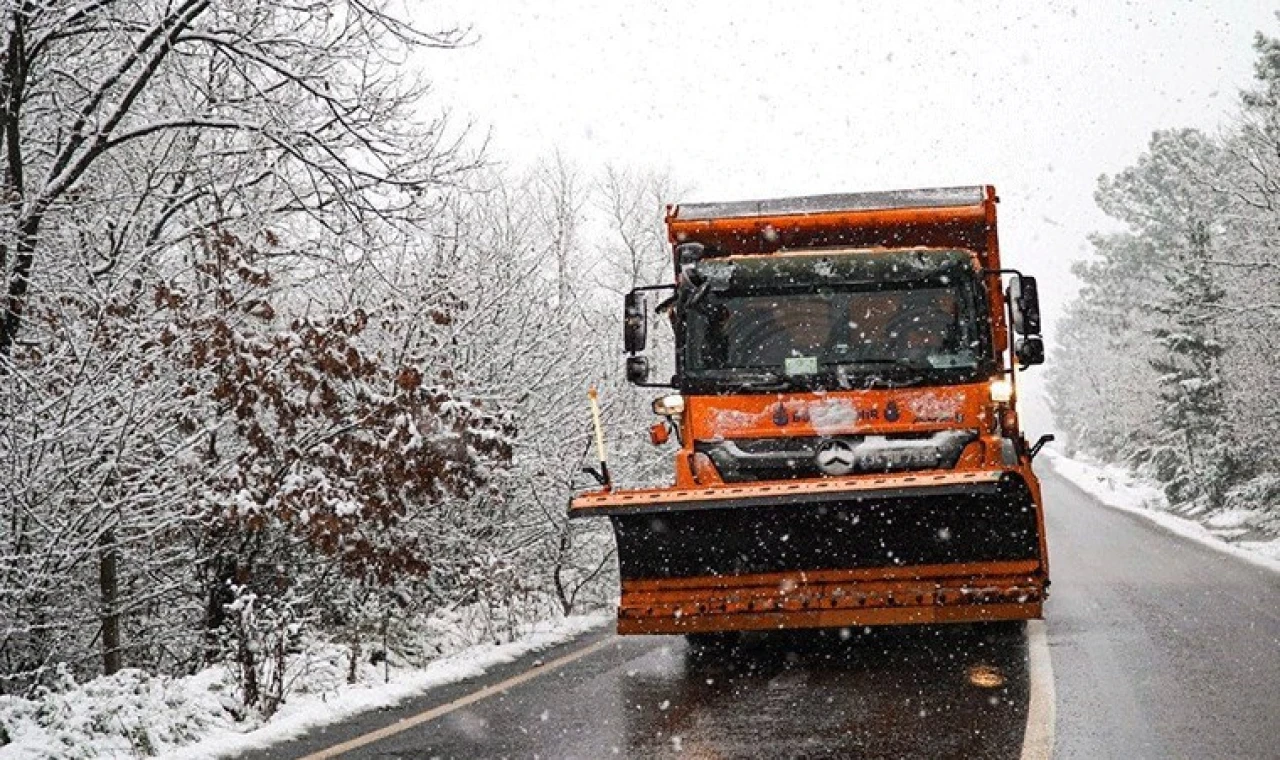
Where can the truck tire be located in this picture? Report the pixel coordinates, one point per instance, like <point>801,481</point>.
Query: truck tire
<point>716,641</point>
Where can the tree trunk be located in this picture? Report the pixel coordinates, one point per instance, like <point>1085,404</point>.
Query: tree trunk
<point>109,585</point>
<point>218,594</point>
<point>19,282</point>
<point>566,602</point>
<point>248,667</point>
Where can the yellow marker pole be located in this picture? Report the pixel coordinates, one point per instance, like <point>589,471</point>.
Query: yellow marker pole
<point>599,432</point>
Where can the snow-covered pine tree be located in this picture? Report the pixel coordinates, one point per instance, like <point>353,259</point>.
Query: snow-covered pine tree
<point>1247,262</point>
<point>1194,455</point>
<point>1169,203</point>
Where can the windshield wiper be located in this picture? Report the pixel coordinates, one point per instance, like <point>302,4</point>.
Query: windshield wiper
<point>907,375</point>
<point>904,363</point>
<point>880,381</point>
<point>769,381</point>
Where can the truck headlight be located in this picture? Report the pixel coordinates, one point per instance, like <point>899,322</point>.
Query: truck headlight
<point>1001,390</point>
<point>669,406</point>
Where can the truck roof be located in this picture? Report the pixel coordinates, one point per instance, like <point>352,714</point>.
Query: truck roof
<point>817,204</point>
<point>946,217</point>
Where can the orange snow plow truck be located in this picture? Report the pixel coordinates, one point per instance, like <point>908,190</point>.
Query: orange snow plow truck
<point>844,402</point>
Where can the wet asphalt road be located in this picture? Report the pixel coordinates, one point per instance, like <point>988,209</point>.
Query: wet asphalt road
<point>1160,648</point>
<point>941,693</point>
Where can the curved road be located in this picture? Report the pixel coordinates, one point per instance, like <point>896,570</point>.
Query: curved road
<point>1159,648</point>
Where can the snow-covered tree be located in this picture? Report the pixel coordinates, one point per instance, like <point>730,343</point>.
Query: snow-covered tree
<point>1166,357</point>
<point>133,133</point>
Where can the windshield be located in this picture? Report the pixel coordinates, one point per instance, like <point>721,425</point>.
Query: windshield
<point>839,334</point>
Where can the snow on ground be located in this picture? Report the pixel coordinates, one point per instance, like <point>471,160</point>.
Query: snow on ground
<point>133,714</point>
<point>1121,488</point>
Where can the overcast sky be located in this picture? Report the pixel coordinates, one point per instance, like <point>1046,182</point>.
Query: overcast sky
<point>749,99</point>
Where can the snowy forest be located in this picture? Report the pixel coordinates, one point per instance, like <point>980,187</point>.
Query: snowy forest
<point>283,355</point>
<point>1166,359</point>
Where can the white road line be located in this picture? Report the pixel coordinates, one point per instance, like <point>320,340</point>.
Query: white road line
<point>445,709</point>
<point>1037,742</point>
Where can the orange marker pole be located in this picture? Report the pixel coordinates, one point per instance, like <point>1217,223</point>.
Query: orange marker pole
<point>599,432</point>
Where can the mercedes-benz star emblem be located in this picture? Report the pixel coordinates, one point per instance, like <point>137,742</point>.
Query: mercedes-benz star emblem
<point>835,457</point>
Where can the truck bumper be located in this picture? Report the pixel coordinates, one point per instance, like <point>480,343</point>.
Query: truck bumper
<point>834,599</point>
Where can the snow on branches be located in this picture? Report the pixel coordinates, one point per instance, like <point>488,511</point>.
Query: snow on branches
<point>312,429</point>
<point>1166,357</point>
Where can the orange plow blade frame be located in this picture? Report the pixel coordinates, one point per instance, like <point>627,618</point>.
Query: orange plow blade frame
<point>1001,588</point>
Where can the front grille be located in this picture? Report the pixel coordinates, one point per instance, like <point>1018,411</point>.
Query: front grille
<point>754,459</point>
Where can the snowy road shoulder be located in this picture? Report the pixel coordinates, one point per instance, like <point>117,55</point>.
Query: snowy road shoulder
<point>131,714</point>
<point>311,711</point>
<point>1118,488</point>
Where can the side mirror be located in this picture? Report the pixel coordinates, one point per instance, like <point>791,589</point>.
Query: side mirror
<point>1029,350</point>
<point>1025,300</point>
<point>1046,438</point>
<point>688,254</point>
<point>637,370</point>
<point>635,324</point>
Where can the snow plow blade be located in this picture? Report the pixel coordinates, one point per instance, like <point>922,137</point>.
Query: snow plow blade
<point>952,547</point>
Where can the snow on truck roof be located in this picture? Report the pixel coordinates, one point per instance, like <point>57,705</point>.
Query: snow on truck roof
<point>937,197</point>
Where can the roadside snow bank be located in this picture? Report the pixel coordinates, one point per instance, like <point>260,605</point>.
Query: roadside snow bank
<point>129,714</point>
<point>133,714</point>
<point>1228,530</point>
